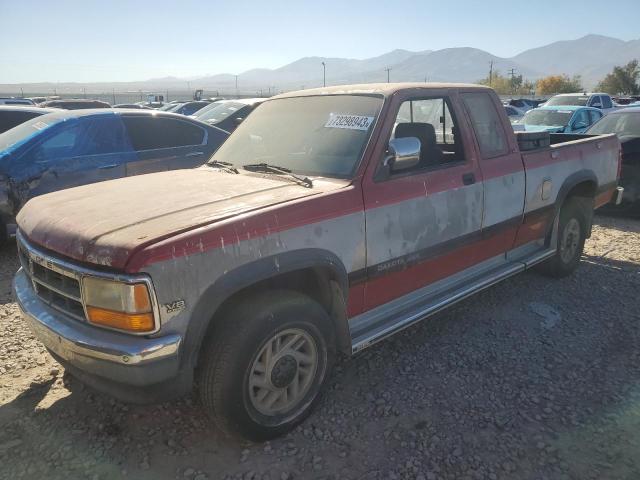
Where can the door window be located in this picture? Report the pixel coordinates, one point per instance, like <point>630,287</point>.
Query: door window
<point>430,120</point>
<point>606,102</point>
<point>595,100</point>
<point>61,144</point>
<point>580,120</point>
<point>152,133</point>
<point>486,124</point>
<point>594,116</point>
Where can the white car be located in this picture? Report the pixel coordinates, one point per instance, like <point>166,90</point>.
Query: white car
<point>602,101</point>
<point>15,101</point>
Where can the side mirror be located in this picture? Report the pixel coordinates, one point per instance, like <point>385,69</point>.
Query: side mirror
<point>402,154</point>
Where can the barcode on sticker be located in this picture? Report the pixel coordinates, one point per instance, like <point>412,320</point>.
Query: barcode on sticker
<point>352,122</point>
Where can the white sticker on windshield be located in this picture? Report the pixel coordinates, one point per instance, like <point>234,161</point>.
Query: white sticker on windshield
<point>351,122</point>
<point>40,125</point>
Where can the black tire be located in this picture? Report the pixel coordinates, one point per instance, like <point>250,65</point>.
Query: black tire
<point>230,358</point>
<point>570,244</point>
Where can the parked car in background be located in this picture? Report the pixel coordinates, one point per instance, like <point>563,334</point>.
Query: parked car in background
<point>626,124</point>
<point>562,119</point>
<point>70,148</point>
<point>170,105</point>
<point>601,101</point>
<point>75,104</point>
<point>513,113</point>
<point>39,100</point>
<point>12,116</point>
<point>523,104</point>
<point>228,114</point>
<point>330,220</point>
<point>189,108</point>
<point>132,105</point>
<point>15,101</point>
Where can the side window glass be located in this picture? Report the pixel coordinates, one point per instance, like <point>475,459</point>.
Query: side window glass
<point>430,121</point>
<point>65,143</point>
<point>152,133</point>
<point>580,120</point>
<point>595,116</point>
<point>606,102</point>
<point>595,100</point>
<point>106,136</point>
<point>486,124</point>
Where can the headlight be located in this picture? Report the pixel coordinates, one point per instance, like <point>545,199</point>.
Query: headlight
<point>118,305</point>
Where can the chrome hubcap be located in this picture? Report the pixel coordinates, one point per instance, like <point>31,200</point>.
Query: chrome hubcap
<point>283,371</point>
<point>569,240</point>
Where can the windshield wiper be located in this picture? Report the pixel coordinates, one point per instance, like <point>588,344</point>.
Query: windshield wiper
<point>226,166</point>
<point>267,168</point>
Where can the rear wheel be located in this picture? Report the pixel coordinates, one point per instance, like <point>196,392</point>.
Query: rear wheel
<point>572,233</point>
<point>262,370</point>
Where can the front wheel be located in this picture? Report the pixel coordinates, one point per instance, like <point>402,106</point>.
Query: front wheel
<point>263,369</point>
<point>572,233</point>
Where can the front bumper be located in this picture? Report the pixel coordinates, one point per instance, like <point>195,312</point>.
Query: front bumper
<point>116,357</point>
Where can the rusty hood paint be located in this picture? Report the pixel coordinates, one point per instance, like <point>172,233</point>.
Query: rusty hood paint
<point>105,223</point>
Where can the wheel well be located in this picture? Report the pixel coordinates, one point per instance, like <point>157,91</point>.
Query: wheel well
<point>319,283</point>
<point>585,193</point>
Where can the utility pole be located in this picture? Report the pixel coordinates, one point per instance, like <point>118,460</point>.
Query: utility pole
<point>490,72</point>
<point>84,92</point>
<point>21,92</point>
<point>236,85</point>
<point>388,69</point>
<point>113,92</point>
<point>324,74</point>
<point>512,73</point>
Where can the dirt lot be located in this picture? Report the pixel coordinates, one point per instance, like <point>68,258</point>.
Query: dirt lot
<point>532,379</point>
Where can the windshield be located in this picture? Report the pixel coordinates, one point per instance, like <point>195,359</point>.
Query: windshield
<point>323,136</point>
<point>579,100</point>
<point>623,124</point>
<point>219,112</point>
<point>547,117</point>
<point>12,138</point>
<point>208,108</point>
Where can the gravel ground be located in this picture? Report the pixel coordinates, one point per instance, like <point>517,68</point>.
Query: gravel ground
<point>531,379</point>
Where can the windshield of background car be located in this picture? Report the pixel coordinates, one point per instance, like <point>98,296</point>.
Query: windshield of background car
<point>547,117</point>
<point>16,136</point>
<point>580,101</point>
<point>623,124</point>
<point>220,112</point>
<point>323,136</point>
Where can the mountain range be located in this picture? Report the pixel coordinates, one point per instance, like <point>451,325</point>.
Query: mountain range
<point>591,57</point>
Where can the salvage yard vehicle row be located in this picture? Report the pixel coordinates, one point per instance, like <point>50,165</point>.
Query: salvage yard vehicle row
<point>302,236</point>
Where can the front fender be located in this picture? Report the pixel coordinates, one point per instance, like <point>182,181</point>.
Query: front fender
<point>250,274</point>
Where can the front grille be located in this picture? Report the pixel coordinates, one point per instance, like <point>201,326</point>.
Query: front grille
<point>55,284</point>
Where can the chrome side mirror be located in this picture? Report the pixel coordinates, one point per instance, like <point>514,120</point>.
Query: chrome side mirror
<point>402,154</point>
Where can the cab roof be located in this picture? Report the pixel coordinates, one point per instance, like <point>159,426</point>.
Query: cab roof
<point>383,89</point>
<point>571,108</point>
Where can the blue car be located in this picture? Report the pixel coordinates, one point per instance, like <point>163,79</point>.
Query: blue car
<point>559,119</point>
<point>71,148</point>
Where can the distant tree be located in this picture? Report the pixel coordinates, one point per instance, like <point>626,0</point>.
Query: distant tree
<point>622,80</point>
<point>515,85</point>
<point>558,84</point>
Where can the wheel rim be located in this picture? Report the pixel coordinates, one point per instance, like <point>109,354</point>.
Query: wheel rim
<point>570,240</point>
<point>283,372</point>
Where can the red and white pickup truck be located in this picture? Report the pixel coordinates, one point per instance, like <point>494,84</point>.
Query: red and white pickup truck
<point>329,220</point>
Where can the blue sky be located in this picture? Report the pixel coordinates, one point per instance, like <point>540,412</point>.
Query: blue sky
<point>114,40</point>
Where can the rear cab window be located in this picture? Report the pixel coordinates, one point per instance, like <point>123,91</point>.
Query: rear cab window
<point>486,124</point>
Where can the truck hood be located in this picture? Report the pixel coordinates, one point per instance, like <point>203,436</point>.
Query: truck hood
<point>105,223</point>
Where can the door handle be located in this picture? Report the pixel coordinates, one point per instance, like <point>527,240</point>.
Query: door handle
<point>468,178</point>
<point>106,167</point>
<point>194,154</point>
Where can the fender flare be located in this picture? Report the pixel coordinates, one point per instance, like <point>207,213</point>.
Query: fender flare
<point>569,183</point>
<point>250,274</point>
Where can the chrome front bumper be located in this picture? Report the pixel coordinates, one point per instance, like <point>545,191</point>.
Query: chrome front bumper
<point>118,357</point>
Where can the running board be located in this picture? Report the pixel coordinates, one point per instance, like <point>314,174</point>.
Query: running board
<point>381,322</point>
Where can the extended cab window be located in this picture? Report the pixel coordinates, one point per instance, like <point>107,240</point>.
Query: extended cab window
<point>606,102</point>
<point>486,124</point>
<point>430,121</point>
<point>151,133</point>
